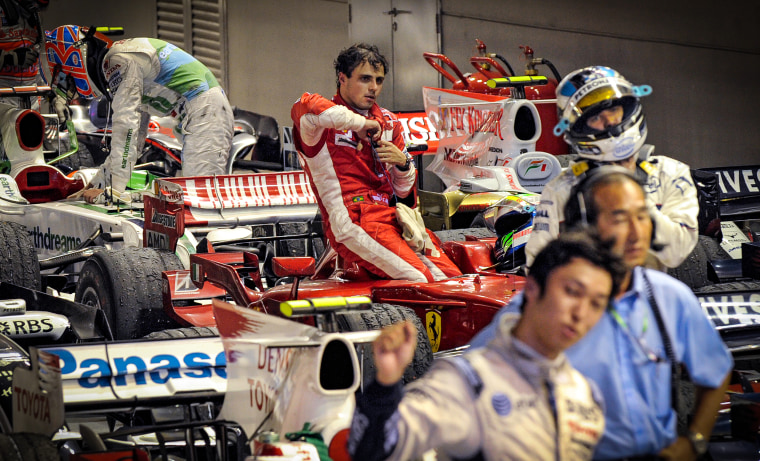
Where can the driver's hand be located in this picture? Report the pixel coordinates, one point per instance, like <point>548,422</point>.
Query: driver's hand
<point>387,152</point>
<point>371,128</point>
<point>92,195</point>
<point>61,108</point>
<point>29,55</point>
<point>79,193</point>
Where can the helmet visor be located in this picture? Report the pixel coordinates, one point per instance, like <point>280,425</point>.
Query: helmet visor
<point>63,81</point>
<point>605,93</point>
<point>606,118</point>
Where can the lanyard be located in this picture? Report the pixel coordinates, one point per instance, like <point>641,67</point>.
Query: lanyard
<point>649,353</point>
<point>621,321</point>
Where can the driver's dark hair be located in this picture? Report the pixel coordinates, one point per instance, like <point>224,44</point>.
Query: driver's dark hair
<point>352,57</point>
<point>586,245</point>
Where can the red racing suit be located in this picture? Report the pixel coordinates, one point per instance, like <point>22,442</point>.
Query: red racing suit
<point>354,190</point>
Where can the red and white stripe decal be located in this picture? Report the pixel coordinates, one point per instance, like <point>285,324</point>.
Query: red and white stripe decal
<point>247,190</point>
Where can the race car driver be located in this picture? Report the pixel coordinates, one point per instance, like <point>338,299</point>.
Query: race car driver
<point>357,184</point>
<point>143,76</point>
<point>517,398</point>
<point>601,117</point>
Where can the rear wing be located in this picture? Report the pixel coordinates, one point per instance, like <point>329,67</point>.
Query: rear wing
<point>206,202</point>
<point>735,312</point>
<point>739,191</point>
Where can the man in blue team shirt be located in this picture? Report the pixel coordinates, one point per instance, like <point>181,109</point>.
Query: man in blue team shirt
<point>625,353</point>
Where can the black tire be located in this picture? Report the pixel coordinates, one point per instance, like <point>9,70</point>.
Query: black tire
<point>179,333</point>
<point>380,316</point>
<point>693,271</point>
<point>23,446</point>
<point>82,158</point>
<point>126,284</point>
<point>460,235</point>
<point>728,287</point>
<point>19,263</point>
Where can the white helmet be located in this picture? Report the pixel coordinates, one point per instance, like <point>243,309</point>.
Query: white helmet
<point>586,92</point>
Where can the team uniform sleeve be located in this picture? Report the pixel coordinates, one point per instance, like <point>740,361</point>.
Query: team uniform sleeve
<point>126,84</point>
<point>549,213</point>
<point>312,114</point>
<point>436,411</point>
<point>675,217</point>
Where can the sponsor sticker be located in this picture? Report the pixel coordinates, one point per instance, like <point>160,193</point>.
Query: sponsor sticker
<point>48,240</point>
<point>501,404</point>
<point>433,326</point>
<point>157,240</point>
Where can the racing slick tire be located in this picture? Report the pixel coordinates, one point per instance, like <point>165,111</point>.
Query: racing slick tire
<point>19,264</point>
<point>126,284</point>
<point>82,158</point>
<point>693,270</point>
<point>381,316</point>
<point>729,286</point>
<point>27,446</point>
<point>460,235</point>
<point>179,333</point>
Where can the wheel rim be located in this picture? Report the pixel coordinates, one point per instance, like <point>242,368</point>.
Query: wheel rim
<point>90,298</point>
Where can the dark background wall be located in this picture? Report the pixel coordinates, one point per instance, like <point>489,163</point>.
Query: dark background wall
<point>702,60</point>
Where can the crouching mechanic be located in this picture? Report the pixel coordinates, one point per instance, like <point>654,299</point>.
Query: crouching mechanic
<point>516,398</point>
<point>601,117</point>
<point>655,320</point>
<point>357,185</point>
<point>143,76</point>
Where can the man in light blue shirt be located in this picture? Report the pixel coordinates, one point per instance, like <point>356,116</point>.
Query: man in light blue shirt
<point>625,353</point>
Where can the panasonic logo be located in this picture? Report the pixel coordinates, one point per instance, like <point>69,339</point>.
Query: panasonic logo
<point>96,372</point>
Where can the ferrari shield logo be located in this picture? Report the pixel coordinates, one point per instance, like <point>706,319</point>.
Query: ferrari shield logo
<point>433,326</point>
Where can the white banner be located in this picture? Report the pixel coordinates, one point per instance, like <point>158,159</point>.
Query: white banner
<point>478,130</point>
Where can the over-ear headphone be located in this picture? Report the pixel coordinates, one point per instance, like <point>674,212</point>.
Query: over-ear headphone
<point>580,210</point>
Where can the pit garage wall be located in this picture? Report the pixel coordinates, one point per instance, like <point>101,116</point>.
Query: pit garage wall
<point>137,17</point>
<point>701,60</point>
<point>281,49</point>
